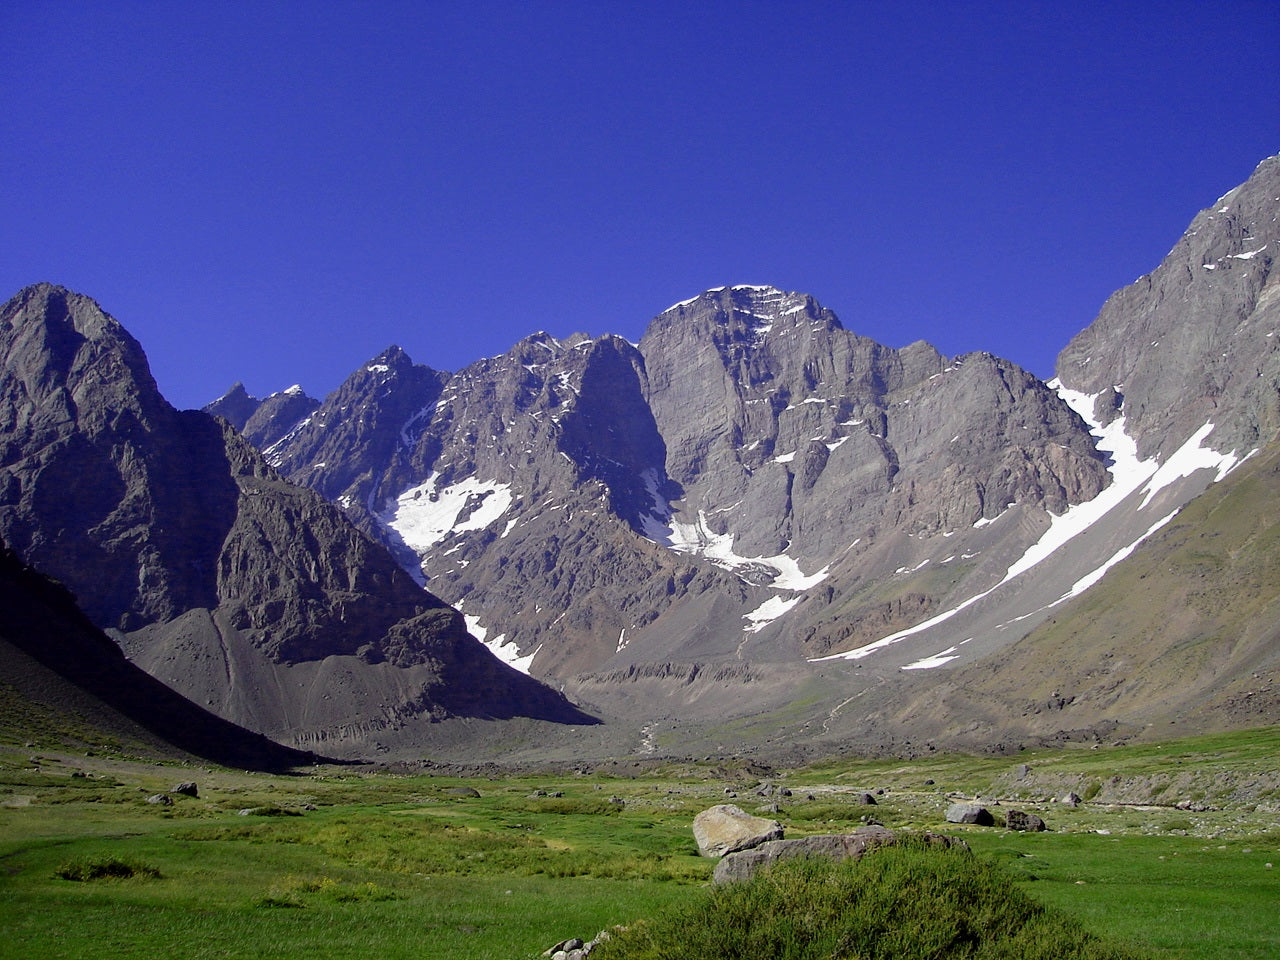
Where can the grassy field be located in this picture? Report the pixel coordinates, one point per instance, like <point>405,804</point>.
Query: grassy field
<point>333,864</point>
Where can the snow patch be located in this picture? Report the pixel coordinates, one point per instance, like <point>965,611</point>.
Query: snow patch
<point>698,539</point>
<point>1129,475</point>
<point>426,514</point>
<point>1189,458</point>
<point>499,646</point>
<point>937,660</point>
<point>1247,256</point>
<point>767,612</point>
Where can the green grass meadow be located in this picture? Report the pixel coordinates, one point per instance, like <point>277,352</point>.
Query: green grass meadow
<point>333,864</point>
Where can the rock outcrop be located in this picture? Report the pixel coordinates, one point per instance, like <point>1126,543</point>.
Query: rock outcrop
<point>727,828</point>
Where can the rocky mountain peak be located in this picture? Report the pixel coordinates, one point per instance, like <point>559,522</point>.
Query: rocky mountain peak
<point>1192,342</point>
<point>62,350</point>
<point>85,495</point>
<point>235,406</point>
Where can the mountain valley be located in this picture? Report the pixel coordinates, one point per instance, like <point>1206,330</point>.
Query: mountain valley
<point>754,531</point>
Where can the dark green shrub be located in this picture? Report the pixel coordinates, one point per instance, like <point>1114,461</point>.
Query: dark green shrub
<point>109,868</point>
<point>898,903</point>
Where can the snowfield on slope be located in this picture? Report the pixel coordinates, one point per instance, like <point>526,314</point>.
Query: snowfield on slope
<point>1129,475</point>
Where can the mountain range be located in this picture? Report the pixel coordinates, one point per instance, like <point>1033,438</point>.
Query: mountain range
<point>753,530</point>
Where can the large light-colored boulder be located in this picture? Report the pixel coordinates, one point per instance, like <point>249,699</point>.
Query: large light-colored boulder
<point>726,828</point>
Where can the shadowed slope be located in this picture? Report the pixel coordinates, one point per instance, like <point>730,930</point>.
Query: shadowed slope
<point>53,656</point>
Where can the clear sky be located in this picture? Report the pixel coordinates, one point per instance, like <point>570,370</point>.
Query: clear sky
<point>274,192</point>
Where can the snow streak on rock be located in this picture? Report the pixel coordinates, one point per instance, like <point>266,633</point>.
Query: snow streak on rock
<point>699,539</point>
<point>1129,474</point>
<point>499,646</point>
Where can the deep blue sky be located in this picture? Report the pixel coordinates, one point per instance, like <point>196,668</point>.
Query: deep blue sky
<point>275,192</point>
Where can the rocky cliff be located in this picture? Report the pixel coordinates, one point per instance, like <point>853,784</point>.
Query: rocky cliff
<point>252,596</point>
<point>265,421</point>
<point>756,506</point>
<point>1194,341</point>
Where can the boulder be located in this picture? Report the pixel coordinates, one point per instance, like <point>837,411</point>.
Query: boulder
<point>726,828</point>
<point>1071,799</point>
<point>970,813</point>
<point>1021,820</point>
<point>160,799</point>
<point>187,789</point>
<point>833,846</point>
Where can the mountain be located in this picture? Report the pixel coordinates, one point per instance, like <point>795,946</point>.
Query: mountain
<point>56,663</point>
<point>1182,636</point>
<point>757,519</point>
<point>595,503</point>
<point>1194,341</point>
<point>755,529</point>
<point>265,421</point>
<point>247,594</point>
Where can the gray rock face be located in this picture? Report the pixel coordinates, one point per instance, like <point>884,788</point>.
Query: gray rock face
<point>603,507</point>
<point>235,406</point>
<point>517,487</point>
<point>767,403</point>
<point>263,421</point>
<point>277,416</point>
<point>51,653</point>
<point>843,846</point>
<point>793,438</point>
<point>342,449</point>
<point>1191,342</point>
<point>726,828</point>
<point>97,472</point>
<point>98,476</point>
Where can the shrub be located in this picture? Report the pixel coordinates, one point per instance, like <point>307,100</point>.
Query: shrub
<point>294,892</point>
<point>109,868</point>
<point>897,903</point>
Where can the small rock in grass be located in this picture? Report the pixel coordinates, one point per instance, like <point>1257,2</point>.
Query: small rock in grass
<point>1023,821</point>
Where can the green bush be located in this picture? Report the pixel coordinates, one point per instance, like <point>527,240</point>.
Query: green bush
<point>109,868</point>
<point>907,902</point>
